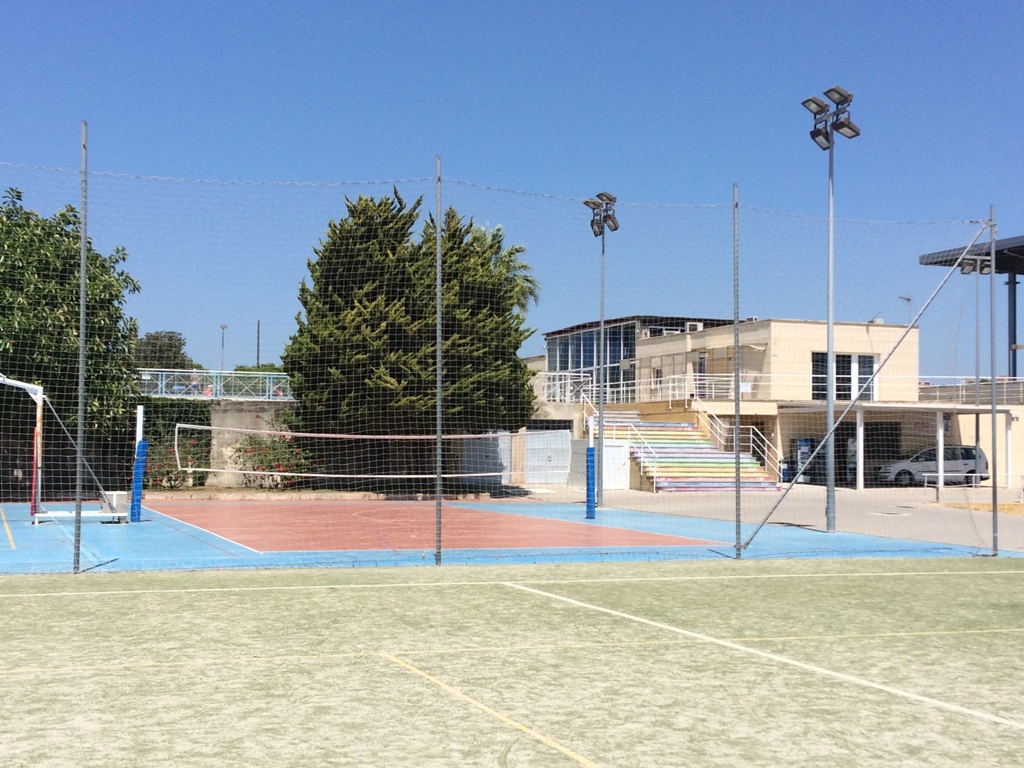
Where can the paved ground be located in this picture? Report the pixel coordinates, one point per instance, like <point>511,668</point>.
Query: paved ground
<point>873,523</point>
<point>906,513</point>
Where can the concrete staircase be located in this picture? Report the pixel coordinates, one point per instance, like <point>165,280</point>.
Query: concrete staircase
<point>680,457</point>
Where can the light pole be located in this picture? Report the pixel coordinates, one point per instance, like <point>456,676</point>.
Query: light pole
<point>222,329</point>
<point>603,209</point>
<point>829,121</point>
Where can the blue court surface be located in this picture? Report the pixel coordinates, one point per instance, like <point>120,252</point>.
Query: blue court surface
<point>160,542</point>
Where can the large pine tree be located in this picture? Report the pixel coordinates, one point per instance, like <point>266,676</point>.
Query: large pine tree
<point>362,360</point>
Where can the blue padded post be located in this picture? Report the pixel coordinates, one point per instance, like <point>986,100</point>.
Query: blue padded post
<point>138,476</point>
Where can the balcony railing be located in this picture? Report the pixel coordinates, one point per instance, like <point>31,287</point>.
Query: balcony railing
<point>572,387</point>
<point>229,385</point>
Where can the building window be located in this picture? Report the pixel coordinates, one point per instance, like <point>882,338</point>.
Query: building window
<point>589,345</point>
<point>852,373</point>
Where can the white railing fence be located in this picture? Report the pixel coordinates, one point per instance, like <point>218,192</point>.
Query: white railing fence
<point>752,440</point>
<point>646,456</point>
<point>964,390</point>
<point>241,385</point>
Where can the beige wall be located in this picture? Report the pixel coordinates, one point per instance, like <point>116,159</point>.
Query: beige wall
<point>775,357</point>
<point>1015,460</point>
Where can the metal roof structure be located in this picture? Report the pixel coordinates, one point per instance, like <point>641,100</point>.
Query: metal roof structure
<point>1009,256</point>
<point>1009,260</point>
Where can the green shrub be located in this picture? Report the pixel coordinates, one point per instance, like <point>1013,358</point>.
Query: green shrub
<point>269,453</point>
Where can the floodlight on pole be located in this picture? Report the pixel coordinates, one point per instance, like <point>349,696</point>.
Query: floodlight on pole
<point>827,123</point>
<point>815,106</point>
<point>838,96</point>
<point>603,219</point>
<point>822,137</point>
<point>844,126</point>
<point>222,329</point>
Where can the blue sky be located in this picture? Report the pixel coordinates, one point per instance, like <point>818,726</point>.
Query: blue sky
<point>660,102</point>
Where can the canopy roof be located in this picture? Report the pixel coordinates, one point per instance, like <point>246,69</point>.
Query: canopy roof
<point>1009,255</point>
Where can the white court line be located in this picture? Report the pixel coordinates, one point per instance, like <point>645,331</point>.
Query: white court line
<point>417,584</point>
<point>196,527</point>
<point>813,668</point>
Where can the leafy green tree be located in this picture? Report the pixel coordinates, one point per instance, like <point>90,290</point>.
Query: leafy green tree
<point>39,339</point>
<point>163,350</point>
<point>363,359</point>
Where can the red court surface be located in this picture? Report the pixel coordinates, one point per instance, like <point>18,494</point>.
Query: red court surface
<point>303,526</point>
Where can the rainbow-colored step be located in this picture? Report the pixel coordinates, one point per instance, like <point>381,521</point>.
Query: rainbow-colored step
<point>684,458</point>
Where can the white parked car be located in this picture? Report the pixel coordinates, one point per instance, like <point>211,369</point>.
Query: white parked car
<point>961,464</point>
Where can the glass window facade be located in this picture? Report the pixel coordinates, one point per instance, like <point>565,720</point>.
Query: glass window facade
<point>578,353</point>
<point>852,373</point>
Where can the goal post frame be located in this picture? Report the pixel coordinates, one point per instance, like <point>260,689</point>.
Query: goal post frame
<point>34,391</point>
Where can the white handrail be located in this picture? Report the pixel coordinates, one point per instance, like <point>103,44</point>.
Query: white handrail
<point>646,445</point>
<point>763,387</point>
<point>721,435</point>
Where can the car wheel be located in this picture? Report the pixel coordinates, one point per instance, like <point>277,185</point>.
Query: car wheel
<point>904,479</point>
<point>971,479</point>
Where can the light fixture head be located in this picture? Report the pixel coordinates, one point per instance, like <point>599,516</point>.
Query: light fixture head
<point>821,136</point>
<point>985,267</point>
<point>966,266</point>
<point>592,204</point>
<point>606,197</point>
<point>844,126</point>
<point>611,221</point>
<point>839,96</point>
<point>815,106</point>
<point>597,226</point>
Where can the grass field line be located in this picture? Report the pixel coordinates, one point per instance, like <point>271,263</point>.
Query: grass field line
<point>417,584</point>
<point>547,741</point>
<point>780,659</point>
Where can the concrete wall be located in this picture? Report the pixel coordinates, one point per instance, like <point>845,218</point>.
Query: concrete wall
<point>616,465</point>
<point>238,414</point>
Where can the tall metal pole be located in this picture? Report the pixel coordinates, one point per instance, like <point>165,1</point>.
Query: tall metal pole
<point>826,122</point>
<point>977,366</point>
<point>222,329</point>
<point>83,261</point>
<point>830,405</point>
<point>601,374</point>
<point>438,461</point>
<point>736,359</point>
<point>993,466</point>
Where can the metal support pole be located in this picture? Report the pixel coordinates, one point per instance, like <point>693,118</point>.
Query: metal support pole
<point>826,123</point>
<point>1011,316</point>
<point>601,377</point>
<point>736,361</point>
<point>994,461</point>
<point>439,458</point>
<point>83,263</point>
<point>830,405</point>
<point>603,219</point>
